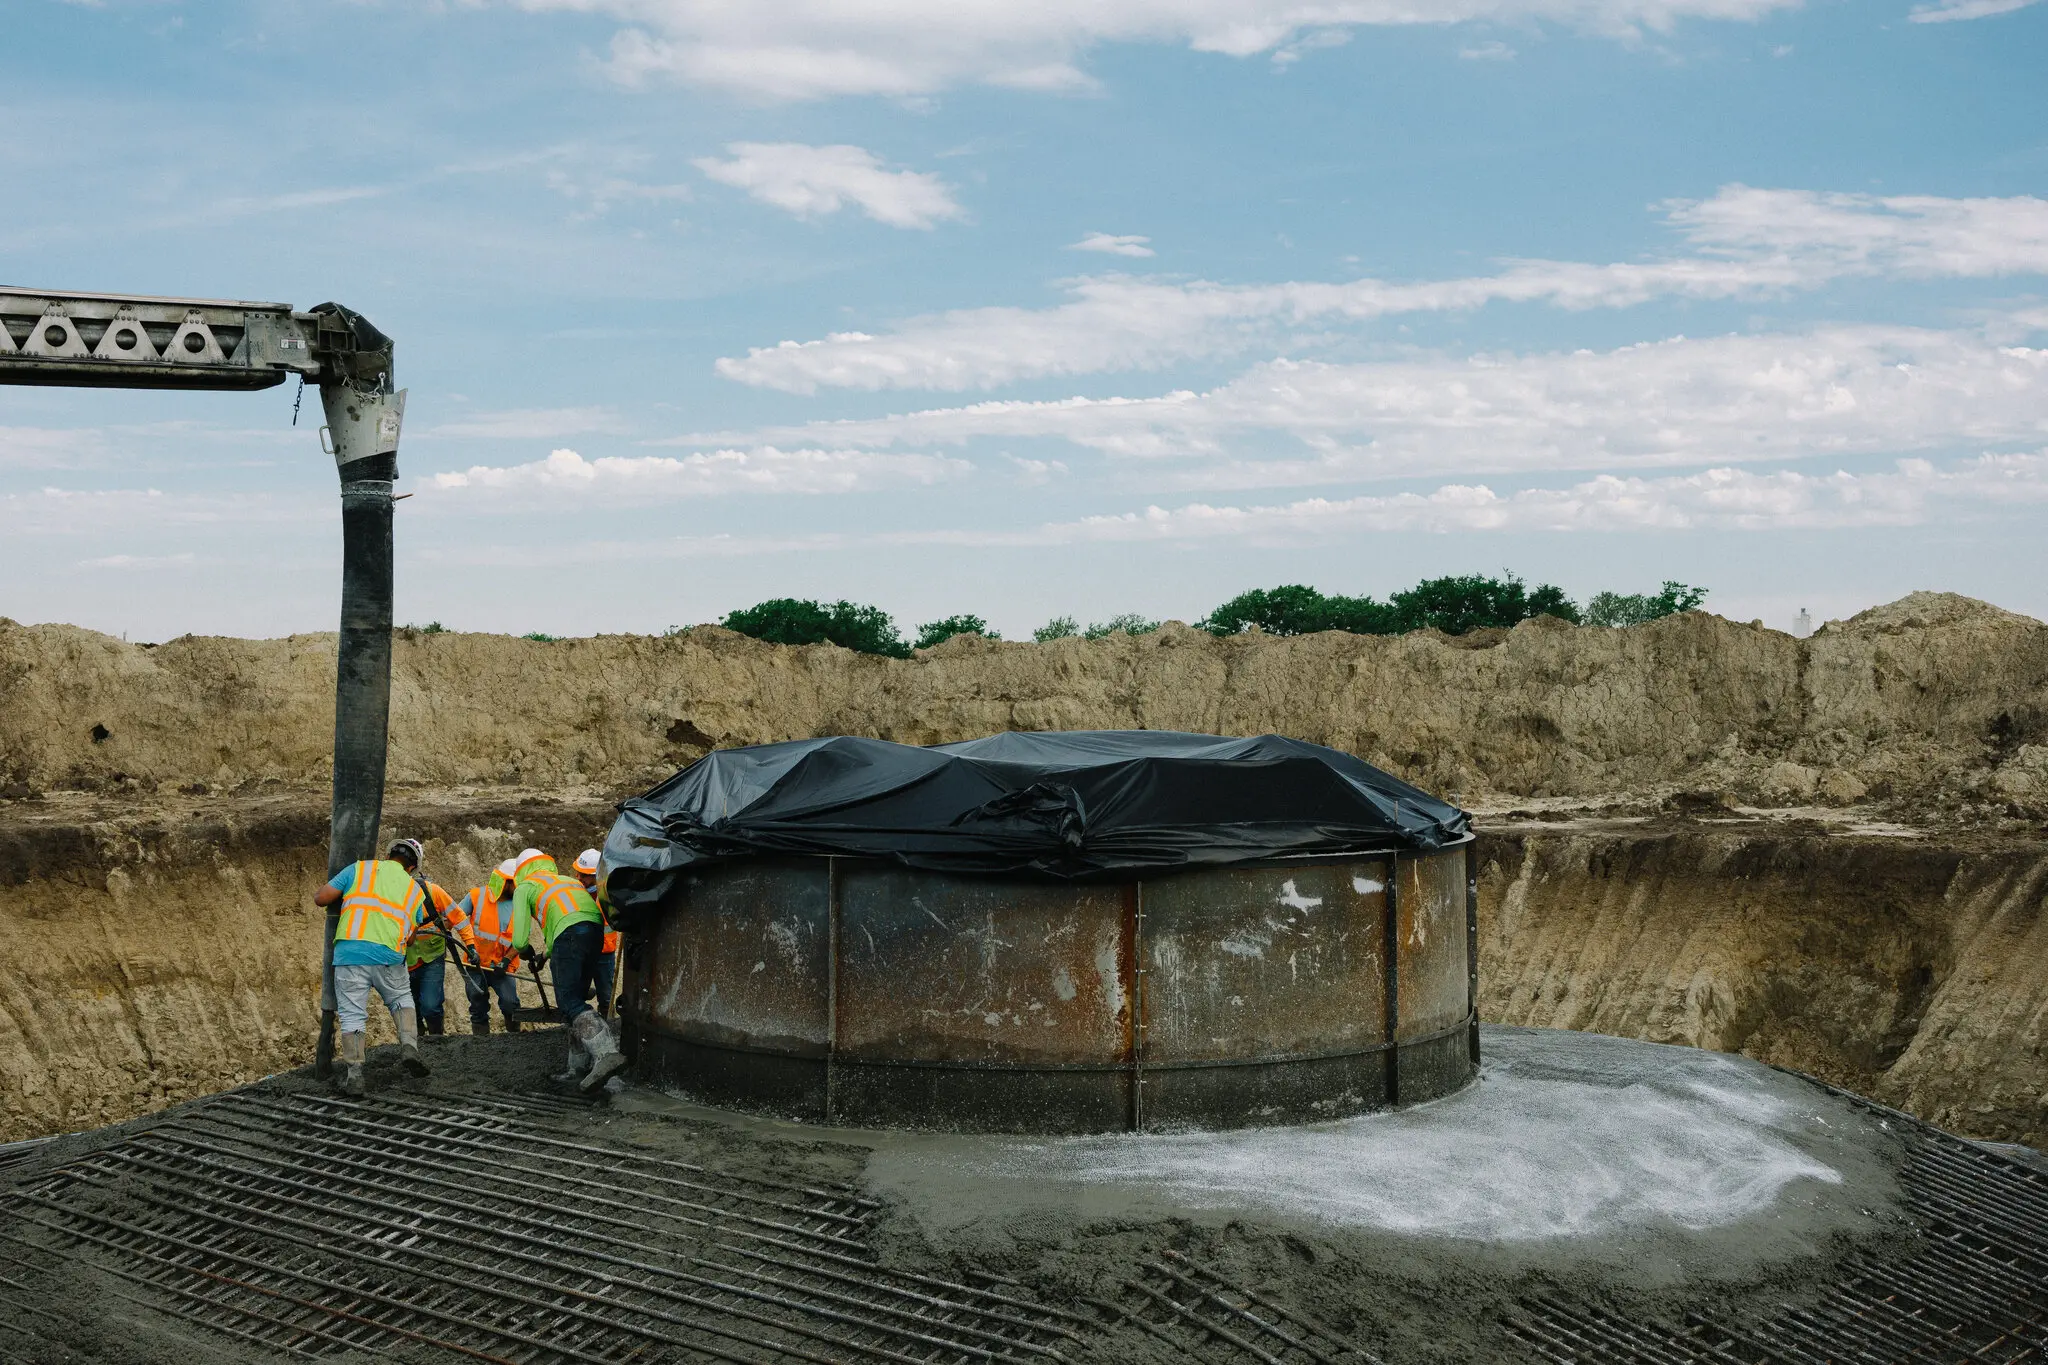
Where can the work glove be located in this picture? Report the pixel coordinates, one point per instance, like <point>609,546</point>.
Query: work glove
<point>536,960</point>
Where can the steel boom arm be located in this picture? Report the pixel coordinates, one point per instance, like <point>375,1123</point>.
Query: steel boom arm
<point>139,342</point>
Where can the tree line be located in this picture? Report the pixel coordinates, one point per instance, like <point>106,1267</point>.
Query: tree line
<point>1455,605</point>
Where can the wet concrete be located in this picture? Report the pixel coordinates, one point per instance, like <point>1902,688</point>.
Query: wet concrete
<point>1652,1181</point>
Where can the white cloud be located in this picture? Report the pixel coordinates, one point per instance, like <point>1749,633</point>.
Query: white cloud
<point>140,561</point>
<point>1112,245</point>
<point>1914,492</point>
<point>1716,499</point>
<point>50,447</point>
<point>1745,242</point>
<point>811,49</point>
<point>1951,10</point>
<point>1495,51</point>
<point>536,424</point>
<point>764,470</point>
<point>126,512</point>
<point>1830,392</point>
<point>811,181</point>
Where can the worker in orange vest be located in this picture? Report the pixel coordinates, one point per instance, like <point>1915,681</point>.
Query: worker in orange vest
<point>572,929</point>
<point>608,954</point>
<point>380,911</point>
<point>497,929</point>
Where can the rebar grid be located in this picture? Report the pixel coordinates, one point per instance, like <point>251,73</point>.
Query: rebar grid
<point>1973,1290</point>
<point>1178,1300</point>
<point>420,1229</point>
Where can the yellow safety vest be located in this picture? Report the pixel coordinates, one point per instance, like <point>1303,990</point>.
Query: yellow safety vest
<point>556,901</point>
<point>380,907</point>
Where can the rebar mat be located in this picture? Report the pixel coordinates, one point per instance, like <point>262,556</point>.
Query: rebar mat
<point>309,1225</point>
<point>1975,1288</point>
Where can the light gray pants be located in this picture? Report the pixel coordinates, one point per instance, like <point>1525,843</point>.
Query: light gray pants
<point>352,987</point>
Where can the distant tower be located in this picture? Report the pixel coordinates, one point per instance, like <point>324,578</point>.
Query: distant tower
<point>1803,627</point>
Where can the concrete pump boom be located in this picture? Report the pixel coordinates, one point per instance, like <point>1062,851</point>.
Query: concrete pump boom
<point>137,342</point>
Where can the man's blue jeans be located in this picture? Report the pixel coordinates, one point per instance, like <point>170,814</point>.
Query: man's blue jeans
<point>430,993</point>
<point>480,985</point>
<point>573,962</point>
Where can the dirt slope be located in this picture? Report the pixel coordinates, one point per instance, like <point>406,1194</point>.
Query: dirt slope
<point>1933,694</point>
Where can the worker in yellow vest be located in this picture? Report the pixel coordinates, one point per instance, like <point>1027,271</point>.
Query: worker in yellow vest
<point>380,908</point>
<point>572,930</point>
<point>497,929</point>
<point>426,958</point>
<point>608,954</point>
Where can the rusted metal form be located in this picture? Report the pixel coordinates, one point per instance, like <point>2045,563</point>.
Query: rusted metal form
<point>865,993</point>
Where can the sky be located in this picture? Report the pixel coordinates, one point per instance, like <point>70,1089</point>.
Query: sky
<point>1069,308</point>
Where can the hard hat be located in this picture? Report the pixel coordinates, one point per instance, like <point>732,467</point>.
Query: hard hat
<point>526,856</point>
<point>414,847</point>
<point>508,867</point>
<point>586,861</point>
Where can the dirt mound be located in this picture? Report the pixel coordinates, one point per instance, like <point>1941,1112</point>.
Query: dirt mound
<point>1932,699</point>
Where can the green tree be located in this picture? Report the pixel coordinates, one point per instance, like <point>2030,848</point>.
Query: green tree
<point>1298,610</point>
<point>794,621</point>
<point>539,637</point>
<point>1129,623</point>
<point>937,632</point>
<point>1453,605</point>
<point>1632,609</point>
<point>1459,603</point>
<point>1059,628</point>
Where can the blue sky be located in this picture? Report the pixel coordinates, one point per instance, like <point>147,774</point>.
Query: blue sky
<point>1072,308</point>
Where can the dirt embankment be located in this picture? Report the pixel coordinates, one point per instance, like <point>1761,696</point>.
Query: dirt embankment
<point>1906,969</point>
<point>162,817</point>
<point>149,958</point>
<point>1933,698</point>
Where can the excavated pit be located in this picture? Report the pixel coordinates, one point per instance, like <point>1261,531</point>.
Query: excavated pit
<point>1822,854</point>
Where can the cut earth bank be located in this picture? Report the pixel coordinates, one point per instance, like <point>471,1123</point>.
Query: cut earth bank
<point>1824,853</point>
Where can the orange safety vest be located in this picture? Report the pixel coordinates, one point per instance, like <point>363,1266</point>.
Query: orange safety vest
<point>380,907</point>
<point>611,941</point>
<point>491,921</point>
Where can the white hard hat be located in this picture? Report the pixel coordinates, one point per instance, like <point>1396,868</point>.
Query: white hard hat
<point>526,856</point>
<point>508,867</point>
<point>586,861</point>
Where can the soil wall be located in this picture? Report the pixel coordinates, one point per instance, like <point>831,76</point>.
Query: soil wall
<point>1905,970</point>
<point>1934,696</point>
<point>150,959</point>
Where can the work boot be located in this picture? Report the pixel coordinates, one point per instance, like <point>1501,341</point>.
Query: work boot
<point>579,1061</point>
<point>432,1025</point>
<point>480,1024</point>
<point>409,1043</point>
<point>605,1058</point>
<point>349,1081</point>
<point>511,1022</point>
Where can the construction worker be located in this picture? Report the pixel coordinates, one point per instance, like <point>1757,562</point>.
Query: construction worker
<point>426,958</point>
<point>497,930</point>
<point>572,930</point>
<point>608,955</point>
<point>380,907</point>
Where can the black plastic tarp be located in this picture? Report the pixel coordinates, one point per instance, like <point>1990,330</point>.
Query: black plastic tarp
<point>1065,805</point>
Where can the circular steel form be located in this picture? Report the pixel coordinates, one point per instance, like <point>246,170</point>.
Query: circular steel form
<point>864,993</point>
